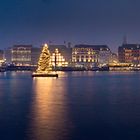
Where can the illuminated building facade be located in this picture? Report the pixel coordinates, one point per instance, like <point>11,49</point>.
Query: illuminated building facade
<point>22,55</point>
<point>90,55</point>
<point>129,53</point>
<point>104,55</point>
<point>57,60</point>
<point>113,58</point>
<point>60,55</point>
<point>1,58</point>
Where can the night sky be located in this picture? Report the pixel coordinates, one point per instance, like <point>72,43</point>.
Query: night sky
<point>77,21</point>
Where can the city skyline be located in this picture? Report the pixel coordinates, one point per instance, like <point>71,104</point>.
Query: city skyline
<point>80,22</point>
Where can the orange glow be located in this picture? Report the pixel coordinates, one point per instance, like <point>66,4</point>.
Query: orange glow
<point>58,58</point>
<point>49,109</point>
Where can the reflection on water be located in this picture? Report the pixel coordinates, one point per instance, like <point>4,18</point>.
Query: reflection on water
<point>75,106</point>
<point>49,110</point>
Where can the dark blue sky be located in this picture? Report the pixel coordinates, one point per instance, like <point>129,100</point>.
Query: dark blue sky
<point>78,21</point>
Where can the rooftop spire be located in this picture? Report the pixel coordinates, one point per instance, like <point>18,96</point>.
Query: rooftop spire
<point>124,40</point>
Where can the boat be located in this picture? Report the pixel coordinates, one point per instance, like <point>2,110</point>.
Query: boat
<point>44,69</point>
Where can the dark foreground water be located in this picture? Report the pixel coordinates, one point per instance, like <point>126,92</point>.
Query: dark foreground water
<point>75,106</point>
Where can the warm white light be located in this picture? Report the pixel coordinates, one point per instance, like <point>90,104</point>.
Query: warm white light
<point>46,45</point>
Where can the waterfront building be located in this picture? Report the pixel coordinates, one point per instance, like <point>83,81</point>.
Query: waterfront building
<point>35,53</point>
<point>90,55</point>
<point>2,60</point>
<point>113,58</point>
<point>129,53</point>
<point>60,55</point>
<point>104,55</point>
<point>7,55</point>
<point>57,60</point>
<point>22,55</point>
<point>1,55</point>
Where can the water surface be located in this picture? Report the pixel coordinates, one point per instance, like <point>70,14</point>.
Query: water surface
<point>75,106</point>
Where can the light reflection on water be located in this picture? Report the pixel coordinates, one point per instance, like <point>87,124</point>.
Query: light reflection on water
<point>49,110</point>
<point>75,106</point>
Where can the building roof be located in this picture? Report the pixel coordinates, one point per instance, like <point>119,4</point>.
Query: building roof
<point>61,48</point>
<point>95,47</point>
<point>130,46</point>
<point>53,47</point>
<point>65,51</point>
<point>22,46</point>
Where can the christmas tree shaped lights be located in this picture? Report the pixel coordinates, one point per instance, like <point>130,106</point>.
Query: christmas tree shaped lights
<point>44,61</point>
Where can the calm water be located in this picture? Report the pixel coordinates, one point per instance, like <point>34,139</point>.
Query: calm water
<point>75,106</point>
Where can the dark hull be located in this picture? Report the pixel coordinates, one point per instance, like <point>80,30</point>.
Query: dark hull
<point>44,75</point>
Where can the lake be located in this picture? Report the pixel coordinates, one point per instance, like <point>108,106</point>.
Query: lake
<point>75,106</point>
